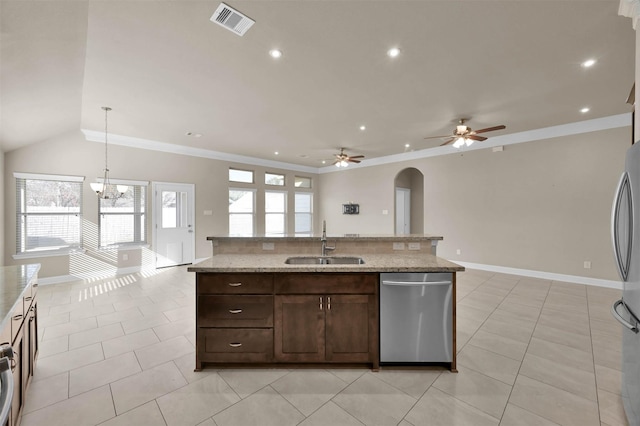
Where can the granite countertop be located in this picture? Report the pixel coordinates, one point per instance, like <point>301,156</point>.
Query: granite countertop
<point>373,263</point>
<point>344,237</point>
<point>13,282</point>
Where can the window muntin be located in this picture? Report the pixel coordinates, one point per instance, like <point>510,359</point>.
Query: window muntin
<point>274,179</point>
<point>48,213</point>
<point>242,212</point>
<point>122,220</point>
<point>303,213</point>
<point>275,212</point>
<point>242,176</point>
<point>302,182</point>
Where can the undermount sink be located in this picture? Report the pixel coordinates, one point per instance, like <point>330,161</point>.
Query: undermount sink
<point>326,260</point>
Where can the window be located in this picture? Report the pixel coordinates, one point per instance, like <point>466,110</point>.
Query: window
<point>303,213</point>
<point>123,220</point>
<point>48,213</point>
<point>302,182</point>
<point>243,176</point>
<point>241,212</point>
<point>273,179</point>
<point>275,210</point>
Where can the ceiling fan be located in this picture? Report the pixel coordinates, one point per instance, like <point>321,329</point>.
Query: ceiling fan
<point>343,160</point>
<point>464,135</point>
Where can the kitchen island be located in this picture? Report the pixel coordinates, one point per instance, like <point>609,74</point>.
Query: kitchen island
<point>255,309</point>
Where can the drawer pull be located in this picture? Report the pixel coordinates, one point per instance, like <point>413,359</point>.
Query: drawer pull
<point>235,284</point>
<point>17,317</point>
<point>235,345</point>
<point>235,311</point>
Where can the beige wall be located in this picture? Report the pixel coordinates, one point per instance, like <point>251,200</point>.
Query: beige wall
<point>541,205</point>
<point>72,155</point>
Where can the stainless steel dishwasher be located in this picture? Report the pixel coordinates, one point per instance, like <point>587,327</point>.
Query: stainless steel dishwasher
<point>416,318</point>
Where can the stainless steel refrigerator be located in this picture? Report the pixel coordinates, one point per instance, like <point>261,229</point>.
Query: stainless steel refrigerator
<point>625,230</point>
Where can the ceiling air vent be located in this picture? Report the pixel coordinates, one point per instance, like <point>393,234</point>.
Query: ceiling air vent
<point>232,19</point>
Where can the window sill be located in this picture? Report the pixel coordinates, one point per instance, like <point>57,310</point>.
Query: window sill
<point>124,247</point>
<point>47,253</point>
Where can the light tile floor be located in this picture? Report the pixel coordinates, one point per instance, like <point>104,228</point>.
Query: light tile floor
<point>121,352</point>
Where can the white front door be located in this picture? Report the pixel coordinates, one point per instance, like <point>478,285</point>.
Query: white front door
<point>173,223</point>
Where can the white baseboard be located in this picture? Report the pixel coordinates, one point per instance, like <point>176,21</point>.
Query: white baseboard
<point>543,275</point>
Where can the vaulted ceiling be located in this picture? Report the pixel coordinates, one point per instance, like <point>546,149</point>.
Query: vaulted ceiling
<point>167,70</point>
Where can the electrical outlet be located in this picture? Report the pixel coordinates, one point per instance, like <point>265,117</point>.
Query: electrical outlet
<point>414,246</point>
<point>125,256</point>
<point>458,251</point>
<point>398,246</point>
<point>587,264</point>
<point>208,212</point>
<point>268,246</point>
<point>385,212</point>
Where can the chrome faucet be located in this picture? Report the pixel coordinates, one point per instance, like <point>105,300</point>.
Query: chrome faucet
<point>323,239</point>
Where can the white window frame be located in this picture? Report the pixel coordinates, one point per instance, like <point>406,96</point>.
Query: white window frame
<point>282,213</point>
<point>296,213</point>
<point>21,213</point>
<point>252,213</point>
<point>278,175</point>
<point>141,211</point>
<point>253,175</point>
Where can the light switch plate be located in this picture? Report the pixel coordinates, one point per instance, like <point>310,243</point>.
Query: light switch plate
<point>398,246</point>
<point>268,246</point>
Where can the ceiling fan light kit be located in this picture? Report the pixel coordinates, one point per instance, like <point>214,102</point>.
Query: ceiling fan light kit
<point>463,135</point>
<point>343,160</point>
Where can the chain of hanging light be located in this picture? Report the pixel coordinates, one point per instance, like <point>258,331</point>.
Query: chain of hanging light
<point>104,189</point>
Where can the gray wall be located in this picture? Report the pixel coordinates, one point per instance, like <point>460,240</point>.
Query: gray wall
<point>542,205</point>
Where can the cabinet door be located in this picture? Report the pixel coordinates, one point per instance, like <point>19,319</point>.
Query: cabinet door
<point>299,328</point>
<point>349,335</point>
<point>18,396</point>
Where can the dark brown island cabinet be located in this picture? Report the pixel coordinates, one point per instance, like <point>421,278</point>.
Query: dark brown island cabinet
<point>287,318</point>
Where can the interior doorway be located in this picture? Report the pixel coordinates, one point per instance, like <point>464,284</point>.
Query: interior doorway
<point>409,201</point>
<point>173,223</point>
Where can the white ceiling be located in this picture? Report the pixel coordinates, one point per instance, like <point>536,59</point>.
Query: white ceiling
<point>166,69</point>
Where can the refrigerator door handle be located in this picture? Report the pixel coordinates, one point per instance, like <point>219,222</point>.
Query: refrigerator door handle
<point>622,194</point>
<point>621,320</point>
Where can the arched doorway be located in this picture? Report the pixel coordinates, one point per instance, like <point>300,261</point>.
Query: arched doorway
<point>409,201</point>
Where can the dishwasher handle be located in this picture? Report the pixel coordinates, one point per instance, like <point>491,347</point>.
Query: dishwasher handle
<point>415,283</point>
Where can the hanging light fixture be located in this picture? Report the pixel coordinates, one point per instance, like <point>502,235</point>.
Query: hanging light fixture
<point>104,189</point>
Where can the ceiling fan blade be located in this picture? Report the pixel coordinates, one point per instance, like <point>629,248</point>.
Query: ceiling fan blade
<point>491,129</point>
<point>447,142</point>
<point>476,138</point>
<point>353,161</point>
<point>357,156</point>
<point>438,137</point>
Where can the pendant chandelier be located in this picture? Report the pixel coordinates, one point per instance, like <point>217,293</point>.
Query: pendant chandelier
<point>104,189</point>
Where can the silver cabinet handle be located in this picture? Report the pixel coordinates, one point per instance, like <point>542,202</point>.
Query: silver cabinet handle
<point>235,345</point>
<point>623,193</point>
<point>235,311</point>
<point>320,302</point>
<point>235,284</point>
<point>616,315</point>
<point>329,303</point>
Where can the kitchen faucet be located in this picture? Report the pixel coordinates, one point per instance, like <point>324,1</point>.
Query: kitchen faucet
<point>323,239</point>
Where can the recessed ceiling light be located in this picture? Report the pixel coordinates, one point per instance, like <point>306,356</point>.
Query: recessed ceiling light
<point>324,161</point>
<point>363,127</point>
<point>275,53</point>
<point>195,135</point>
<point>585,110</point>
<point>406,145</point>
<point>393,52</point>
<point>276,153</point>
<point>589,63</point>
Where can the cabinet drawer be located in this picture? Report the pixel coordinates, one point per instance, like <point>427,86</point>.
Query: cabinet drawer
<point>235,345</point>
<point>17,318</point>
<point>235,311</point>
<point>326,283</point>
<point>234,283</point>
